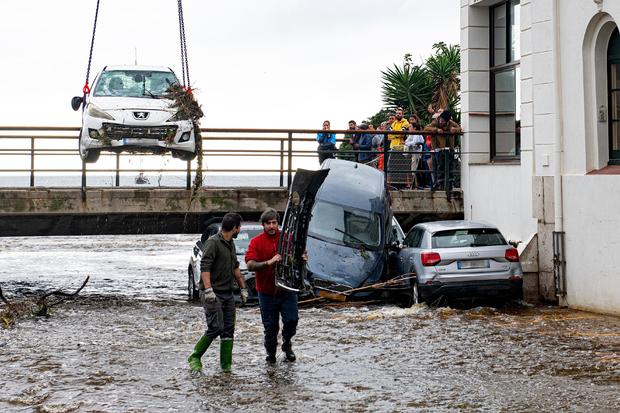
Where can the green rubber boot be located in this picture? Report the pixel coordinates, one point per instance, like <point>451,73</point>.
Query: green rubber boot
<point>226,346</point>
<point>199,349</point>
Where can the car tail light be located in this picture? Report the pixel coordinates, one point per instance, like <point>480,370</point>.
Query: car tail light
<point>512,255</point>
<point>430,258</point>
<point>515,277</point>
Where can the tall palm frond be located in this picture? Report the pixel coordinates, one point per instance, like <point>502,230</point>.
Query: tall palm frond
<point>444,68</point>
<point>409,87</point>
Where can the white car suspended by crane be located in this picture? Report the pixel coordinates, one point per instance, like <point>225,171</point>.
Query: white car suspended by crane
<point>128,111</point>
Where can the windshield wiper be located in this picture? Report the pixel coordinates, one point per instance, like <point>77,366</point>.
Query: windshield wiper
<point>151,94</point>
<point>349,235</point>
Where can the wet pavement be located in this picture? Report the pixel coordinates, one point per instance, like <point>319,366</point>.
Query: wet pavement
<point>122,346</point>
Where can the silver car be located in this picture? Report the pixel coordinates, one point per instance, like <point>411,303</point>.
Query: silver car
<point>460,260</point>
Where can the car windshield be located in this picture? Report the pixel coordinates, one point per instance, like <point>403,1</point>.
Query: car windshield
<point>134,83</point>
<point>345,225</point>
<point>243,239</point>
<point>472,237</point>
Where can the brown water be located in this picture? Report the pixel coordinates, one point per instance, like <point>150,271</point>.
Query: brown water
<point>116,351</point>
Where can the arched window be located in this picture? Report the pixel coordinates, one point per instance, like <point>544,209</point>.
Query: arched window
<point>613,63</point>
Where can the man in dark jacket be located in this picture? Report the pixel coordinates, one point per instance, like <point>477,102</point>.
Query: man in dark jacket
<point>218,269</point>
<point>443,145</point>
<point>261,257</point>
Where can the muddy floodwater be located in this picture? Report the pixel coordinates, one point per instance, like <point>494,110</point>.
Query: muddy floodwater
<point>122,345</point>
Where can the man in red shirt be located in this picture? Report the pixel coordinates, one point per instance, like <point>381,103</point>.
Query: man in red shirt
<point>261,257</point>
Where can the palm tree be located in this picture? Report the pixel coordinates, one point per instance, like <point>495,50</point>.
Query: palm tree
<point>414,87</point>
<point>444,68</point>
<point>408,87</point>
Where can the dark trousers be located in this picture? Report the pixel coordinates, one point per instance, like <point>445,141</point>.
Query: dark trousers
<point>220,315</point>
<point>326,152</point>
<point>442,164</point>
<point>271,307</point>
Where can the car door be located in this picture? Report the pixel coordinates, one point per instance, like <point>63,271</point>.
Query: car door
<point>411,247</point>
<point>395,242</point>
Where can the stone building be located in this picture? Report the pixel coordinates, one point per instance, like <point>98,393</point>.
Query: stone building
<point>541,153</point>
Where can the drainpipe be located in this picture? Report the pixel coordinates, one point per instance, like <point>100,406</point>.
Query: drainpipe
<point>558,158</point>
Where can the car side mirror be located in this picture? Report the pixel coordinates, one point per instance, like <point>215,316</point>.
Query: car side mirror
<point>395,245</point>
<point>76,102</point>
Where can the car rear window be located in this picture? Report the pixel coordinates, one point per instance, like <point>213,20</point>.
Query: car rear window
<point>471,237</point>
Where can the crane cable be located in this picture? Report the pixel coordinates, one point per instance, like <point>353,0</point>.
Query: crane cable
<point>86,88</point>
<point>184,63</point>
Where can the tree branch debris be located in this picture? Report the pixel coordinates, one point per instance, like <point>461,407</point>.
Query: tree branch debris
<point>39,308</point>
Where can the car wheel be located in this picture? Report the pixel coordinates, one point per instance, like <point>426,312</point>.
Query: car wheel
<point>87,155</point>
<point>192,292</point>
<point>405,300</point>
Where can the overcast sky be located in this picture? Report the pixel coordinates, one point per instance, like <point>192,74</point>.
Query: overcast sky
<point>267,63</point>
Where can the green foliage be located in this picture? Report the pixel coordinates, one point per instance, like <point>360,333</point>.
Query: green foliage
<point>379,117</point>
<point>408,87</point>
<point>415,87</point>
<point>444,69</point>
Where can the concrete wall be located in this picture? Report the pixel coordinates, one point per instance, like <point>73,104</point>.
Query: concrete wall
<point>213,200</point>
<point>592,226</point>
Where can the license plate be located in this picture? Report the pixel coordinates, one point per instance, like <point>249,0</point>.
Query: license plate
<point>465,265</point>
<point>139,141</point>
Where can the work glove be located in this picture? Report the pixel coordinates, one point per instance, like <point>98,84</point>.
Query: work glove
<point>244,295</point>
<point>210,296</point>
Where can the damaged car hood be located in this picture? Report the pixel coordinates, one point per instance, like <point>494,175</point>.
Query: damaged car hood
<point>341,264</point>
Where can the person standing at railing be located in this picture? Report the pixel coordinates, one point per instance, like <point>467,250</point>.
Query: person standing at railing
<point>365,145</point>
<point>399,123</point>
<point>377,139</point>
<point>353,138</point>
<point>415,145</point>
<point>327,143</point>
<point>443,145</point>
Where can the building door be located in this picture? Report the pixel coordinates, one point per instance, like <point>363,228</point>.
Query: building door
<point>613,63</point>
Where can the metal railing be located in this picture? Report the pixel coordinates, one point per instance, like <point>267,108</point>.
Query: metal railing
<point>284,150</point>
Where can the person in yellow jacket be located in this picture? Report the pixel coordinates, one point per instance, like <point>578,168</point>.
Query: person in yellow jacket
<point>399,123</point>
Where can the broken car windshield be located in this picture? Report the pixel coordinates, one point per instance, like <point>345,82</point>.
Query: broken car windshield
<point>133,83</point>
<point>345,225</point>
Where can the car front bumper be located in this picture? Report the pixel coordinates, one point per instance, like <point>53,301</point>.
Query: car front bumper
<point>472,289</point>
<point>156,137</point>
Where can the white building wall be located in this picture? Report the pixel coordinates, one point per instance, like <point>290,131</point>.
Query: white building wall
<point>591,203</point>
<point>502,193</point>
<point>499,193</point>
<point>592,227</point>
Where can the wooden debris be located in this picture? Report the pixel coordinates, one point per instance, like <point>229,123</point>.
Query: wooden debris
<point>40,308</point>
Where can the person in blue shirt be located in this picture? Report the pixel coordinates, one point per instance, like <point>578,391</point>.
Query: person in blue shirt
<point>327,143</point>
<point>364,145</point>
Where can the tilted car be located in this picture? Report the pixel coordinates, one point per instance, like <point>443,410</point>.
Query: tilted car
<point>126,111</point>
<point>348,237</point>
<point>248,231</point>
<point>460,260</point>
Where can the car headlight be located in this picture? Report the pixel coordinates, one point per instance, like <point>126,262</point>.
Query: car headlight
<point>95,112</point>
